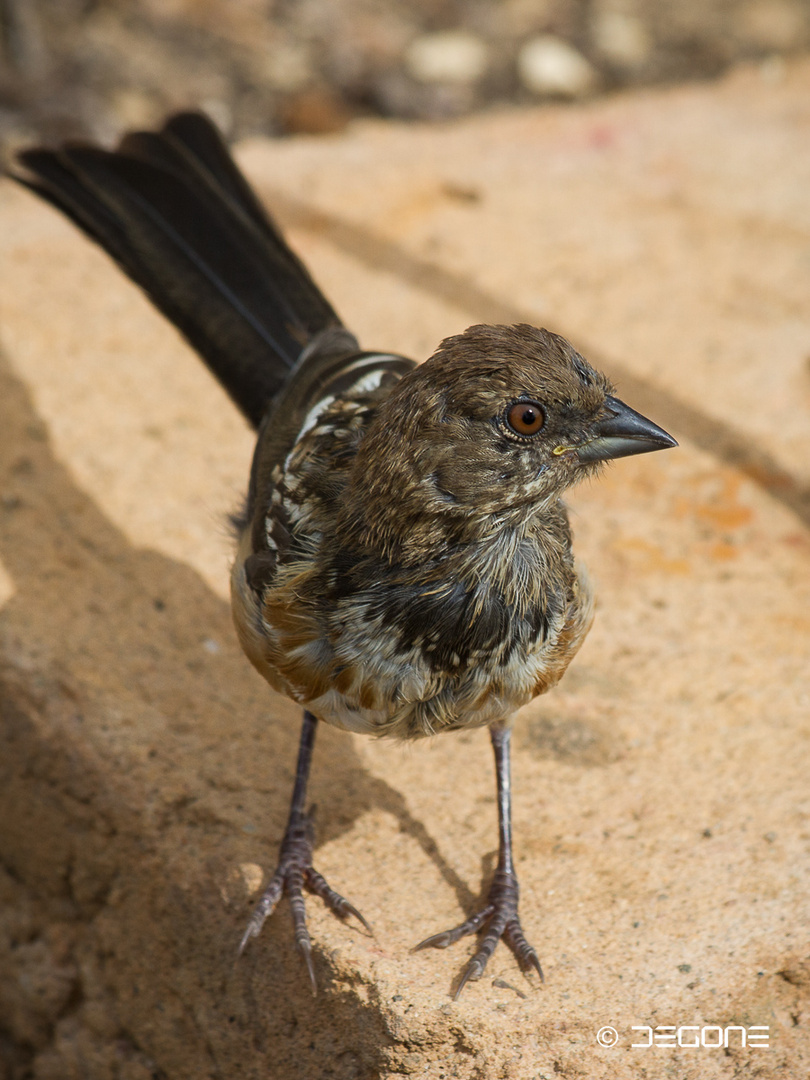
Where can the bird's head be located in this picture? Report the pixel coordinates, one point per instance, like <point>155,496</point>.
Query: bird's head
<point>493,427</point>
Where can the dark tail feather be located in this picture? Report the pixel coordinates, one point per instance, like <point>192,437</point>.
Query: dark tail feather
<point>173,210</point>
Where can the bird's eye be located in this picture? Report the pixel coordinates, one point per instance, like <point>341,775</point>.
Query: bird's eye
<point>525,417</point>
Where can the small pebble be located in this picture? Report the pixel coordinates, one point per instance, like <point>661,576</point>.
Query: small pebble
<point>451,56</point>
<point>549,66</point>
<point>252,876</point>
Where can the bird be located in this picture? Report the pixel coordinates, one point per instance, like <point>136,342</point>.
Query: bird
<point>404,562</point>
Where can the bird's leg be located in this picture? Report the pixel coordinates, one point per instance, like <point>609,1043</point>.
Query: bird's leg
<point>500,915</point>
<point>295,869</point>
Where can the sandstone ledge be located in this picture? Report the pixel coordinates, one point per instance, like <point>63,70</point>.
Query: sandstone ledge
<point>661,798</point>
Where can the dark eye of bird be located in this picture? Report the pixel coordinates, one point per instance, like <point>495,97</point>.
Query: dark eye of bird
<point>525,417</point>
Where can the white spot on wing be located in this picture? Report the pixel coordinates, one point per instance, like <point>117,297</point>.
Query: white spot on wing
<point>312,417</point>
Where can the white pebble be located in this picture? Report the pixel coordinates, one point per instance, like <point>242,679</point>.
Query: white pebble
<point>450,56</point>
<point>547,65</point>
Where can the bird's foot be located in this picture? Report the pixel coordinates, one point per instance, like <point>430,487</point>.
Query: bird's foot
<point>294,871</point>
<point>500,917</point>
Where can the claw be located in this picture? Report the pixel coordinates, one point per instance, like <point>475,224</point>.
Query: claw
<point>473,972</point>
<point>437,941</point>
<point>265,907</point>
<point>294,871</point>
<point>248,934</point>
<point>525,954</point>
<point>449,937</point>
<point>305,948</point>
<point>500,917</point>
<point>336,903</point>
<point>347,909</point>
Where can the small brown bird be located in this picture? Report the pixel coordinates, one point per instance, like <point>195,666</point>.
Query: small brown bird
<point>404,565</point>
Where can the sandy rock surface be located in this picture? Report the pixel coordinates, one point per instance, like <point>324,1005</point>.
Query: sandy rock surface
<point>661,817</point>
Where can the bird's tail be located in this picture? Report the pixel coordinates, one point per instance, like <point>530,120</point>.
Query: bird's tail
<point>172,208</point>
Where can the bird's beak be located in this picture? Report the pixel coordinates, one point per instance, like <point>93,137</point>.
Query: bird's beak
<point>622,432</point>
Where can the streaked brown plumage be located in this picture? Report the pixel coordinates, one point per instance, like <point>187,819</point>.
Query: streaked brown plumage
<point>404,565</point>
<point>409,567</point>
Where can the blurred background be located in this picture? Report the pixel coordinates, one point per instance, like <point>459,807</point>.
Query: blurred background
<point>91,67</point>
